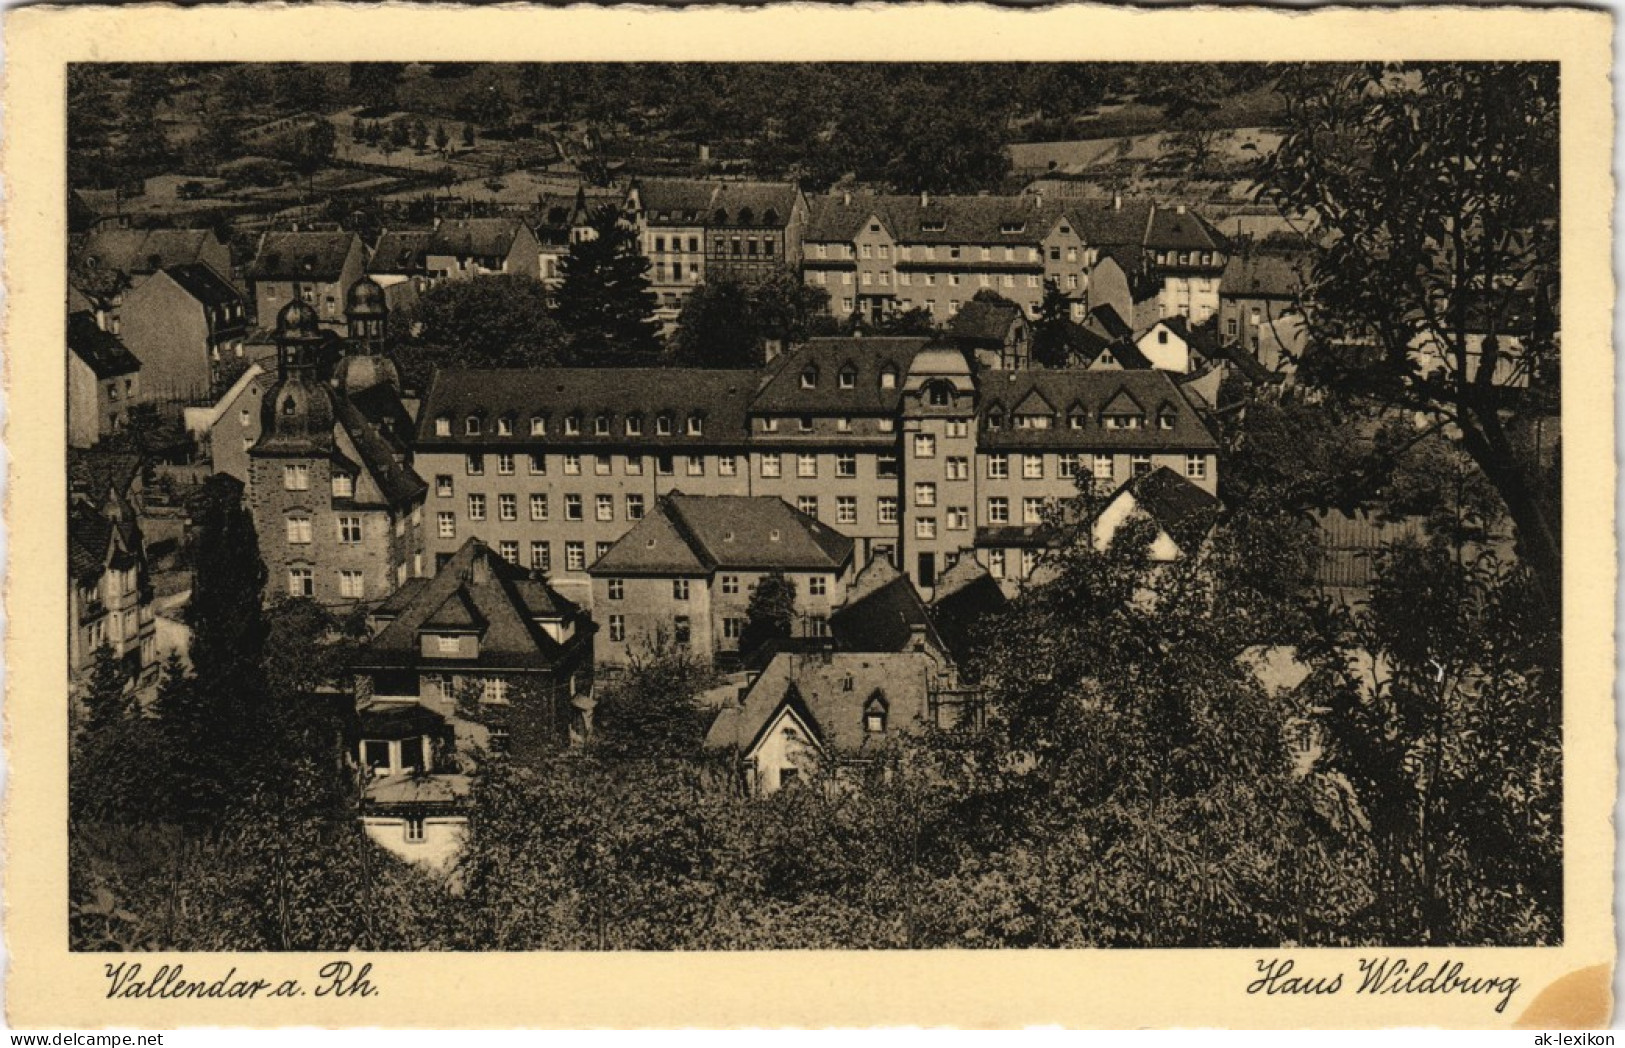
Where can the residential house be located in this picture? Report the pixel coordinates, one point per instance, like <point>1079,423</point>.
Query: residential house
<point>312,267</point>
<point>336,503</point>
<point>464,248</point>
<point>187,324</point>
<point>561,220</point>
<point>109,592</point>
<point>1173,344</point>
<point>1260,307</point>
<point>994,334</point>
<point>1182,513</point>
<point>810,717</point>
<point>672,216</point>
<point>399,264</point>
<point>755,230</point>
<point>110,261</point>
<point>1166,261</point>
<point>683,576</point>
<point>104,381</point>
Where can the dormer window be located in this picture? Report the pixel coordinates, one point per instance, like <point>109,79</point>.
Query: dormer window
<point>572,425</point>
<point>663,425</point>
<point>634,425</point>
<point>770,425</point>
<point>471,425</point>
<point>1077,420</point>
<point>888,377</point>
<point>848,377</point>
<point>696,425</point>
<point>939,395</point>
<point>538,426</point>
<point>442,426</point>
<point>874,714</point>
<point>995,419</point>
<point>809,378</point>
<point>1165,420</point>
<point>343,486</point>
<point>1012,227</point>
<point>1124,421</point>
<point>600,426</point>
<point>933,225</point>
<point>1032,422</point>
<point>505,426</point>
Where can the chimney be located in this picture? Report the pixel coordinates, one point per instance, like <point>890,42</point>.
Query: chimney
<point>916,636</point>
<point>1117,201</point>
<point>846,198</point>
<point>925,198</point>
<point>772,347</point>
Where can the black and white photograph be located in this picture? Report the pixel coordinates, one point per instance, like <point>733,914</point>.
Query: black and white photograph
<point>806,518</point>
<point>782,506</point>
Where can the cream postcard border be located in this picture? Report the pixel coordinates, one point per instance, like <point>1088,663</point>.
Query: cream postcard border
<point>51,987</point>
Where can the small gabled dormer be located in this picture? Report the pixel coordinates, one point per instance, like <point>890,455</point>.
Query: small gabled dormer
<point>1122,411</point>
<point>847,377</point>
<point>1167,416</point>
<point>888,377</point>
<point>875,713</point>
<point>809,377</point>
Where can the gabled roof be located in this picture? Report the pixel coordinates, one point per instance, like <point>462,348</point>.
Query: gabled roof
<point>986,321</point>
<point>754,200</point>
<point>1119,224</point>
<point>1105,320</point>
<point>476,588</point>
<point>1198,338</point>
<point>1180,508</point>
<point>101,351</point>
<point>720,396</point>
<point>883,612</point>
<point>199,280</point>
<point>1264,275</point>
<point>1125,353</point>
<point>676,201</point>
<point>308,255</point>
<point>1097,392</point>
<point>1020,219</point>
<point>398,482</point>
<point>1034,404</point>
<point>966,598</point>
<point>781,392</point>
<point>145,250</point>
<point>829,693</point>
<point>401,251</point>
<point>475,237</point>
<point>98,540</point>
<point>1180,229</point>
<point>698,534</point>
<point>1123,402</point>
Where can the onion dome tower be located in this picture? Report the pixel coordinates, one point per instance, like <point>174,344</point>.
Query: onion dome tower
<point>296,415</point>
<point>366,361</point>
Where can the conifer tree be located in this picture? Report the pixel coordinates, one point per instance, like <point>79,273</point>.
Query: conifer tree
<point>604,301</point>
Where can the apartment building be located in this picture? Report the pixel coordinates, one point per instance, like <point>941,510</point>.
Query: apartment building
<point>893,443</point>
<point>313,267</point>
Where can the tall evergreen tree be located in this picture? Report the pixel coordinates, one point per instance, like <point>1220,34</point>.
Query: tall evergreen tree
<point>1054,334</point>
<point>771,613</point>
<point>604,301</point>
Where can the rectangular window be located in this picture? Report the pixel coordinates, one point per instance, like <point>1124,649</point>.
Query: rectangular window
<point>343,486</point>
<point>807,504</point>
<point>617,628</point>
<point>818,586</point>
<point>998,467</point>
<point>351,585</point>
<point>350,530</point>
<point>538,507</point>
<point>572,465</point>
<point>1103,467</point>
<point>846,509</point>
<point>296,478</point>
<point>538,426</point>
<point>728,465</point>
<point>476,507</point>
<point>925,494</point>
<point>925,445</point>
<point>958,428</point>
<point>541,556</point>
<point>770,425</point>
<point>301,582</point>
<point>446,525</point>
<point>474,464</point>
<point>730,585</point>
<point>662,425</point>
<point>958,518</point>
<point>494,690</point>
<point>696,465</point>
<point>805,424</point>
<point>665,465</point>
<point>958,467</point>
<point>572,507</point>
<point>508,550</point>
<point>681,633</point>
<point>925,527</point>
<point>770,465</point>
<point>998,510</point>
<point>733,628</point>
<point>575,556</point>
<point>1196,466</point>
<point>886,466</point>
<point>634,465</point>
<point>1032,467</point>
<point>1032,511</point>
<point>995,563</point>
<point>679,589</point>
<point>505,463</point>
<point>634,507</point>
<point>846,464</point>
<point>604,508</point>
<point>508,507</point>
<point>1029,561</point>
<point>538,464</point>
<point>600,549</point>
<point>806,465</point>
<point>602,464</point>
<point>1140,464</point>
<point>299,531</point>
<point>443,486</point>
<point>886,507</point>
<point>886,425</point>
<point>572,426</point>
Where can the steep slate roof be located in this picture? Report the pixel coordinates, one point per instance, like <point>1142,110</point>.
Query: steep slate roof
<point>732,198</point>
<point>1185,511</point>
<point>721,396</point>
<point>1093,392</point>
<point>398,483</point>
<point>1174,229</point>
<point>676,201</point>
<point>144,250</point>
<point>101,351</point>
<point>816,687</point>
<point>401,251</point>
<point>1105,321</point>
<point>97,542</point>
<point>781,392</point>
<point>310,255</point>
<point>1115,226</point>
<point>984,321</point>
<point>1263,276</point>
<point>502,597</point>
<point>475,237</point>
<point>699,534</point>
<point>939,220</point>
<point>966,596</point>
<point>885,615</point>
<point>199,280</point>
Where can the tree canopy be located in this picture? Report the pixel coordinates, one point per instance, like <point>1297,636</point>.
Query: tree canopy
<point>603,301</point>
<point>499,320</point>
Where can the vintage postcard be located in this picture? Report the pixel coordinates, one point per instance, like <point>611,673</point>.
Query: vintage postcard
<point>985,517</point>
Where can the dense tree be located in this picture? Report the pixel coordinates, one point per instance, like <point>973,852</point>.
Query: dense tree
<point>651,710</point>
<point>603,300</point>
<point>375,83</point>
<point>771,613</point>
<point>726,323</point>
<point>1434,191</point>
<point>492,321</point>
<point>1055,336</point>
<point>1193,142</point>
<point>913,322</point>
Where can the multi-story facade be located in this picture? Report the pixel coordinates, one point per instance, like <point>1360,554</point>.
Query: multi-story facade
<point>104,380</point>
<point>880,255</point>
<point>891,442</point>
<point>683,575</point>
<point>185,323</point>
<point>109,592</point>
<point>336,503</point>
<point>316,268</point>
<point>464,248</point>
<point>1260,307</point>
<point>672,214</point>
